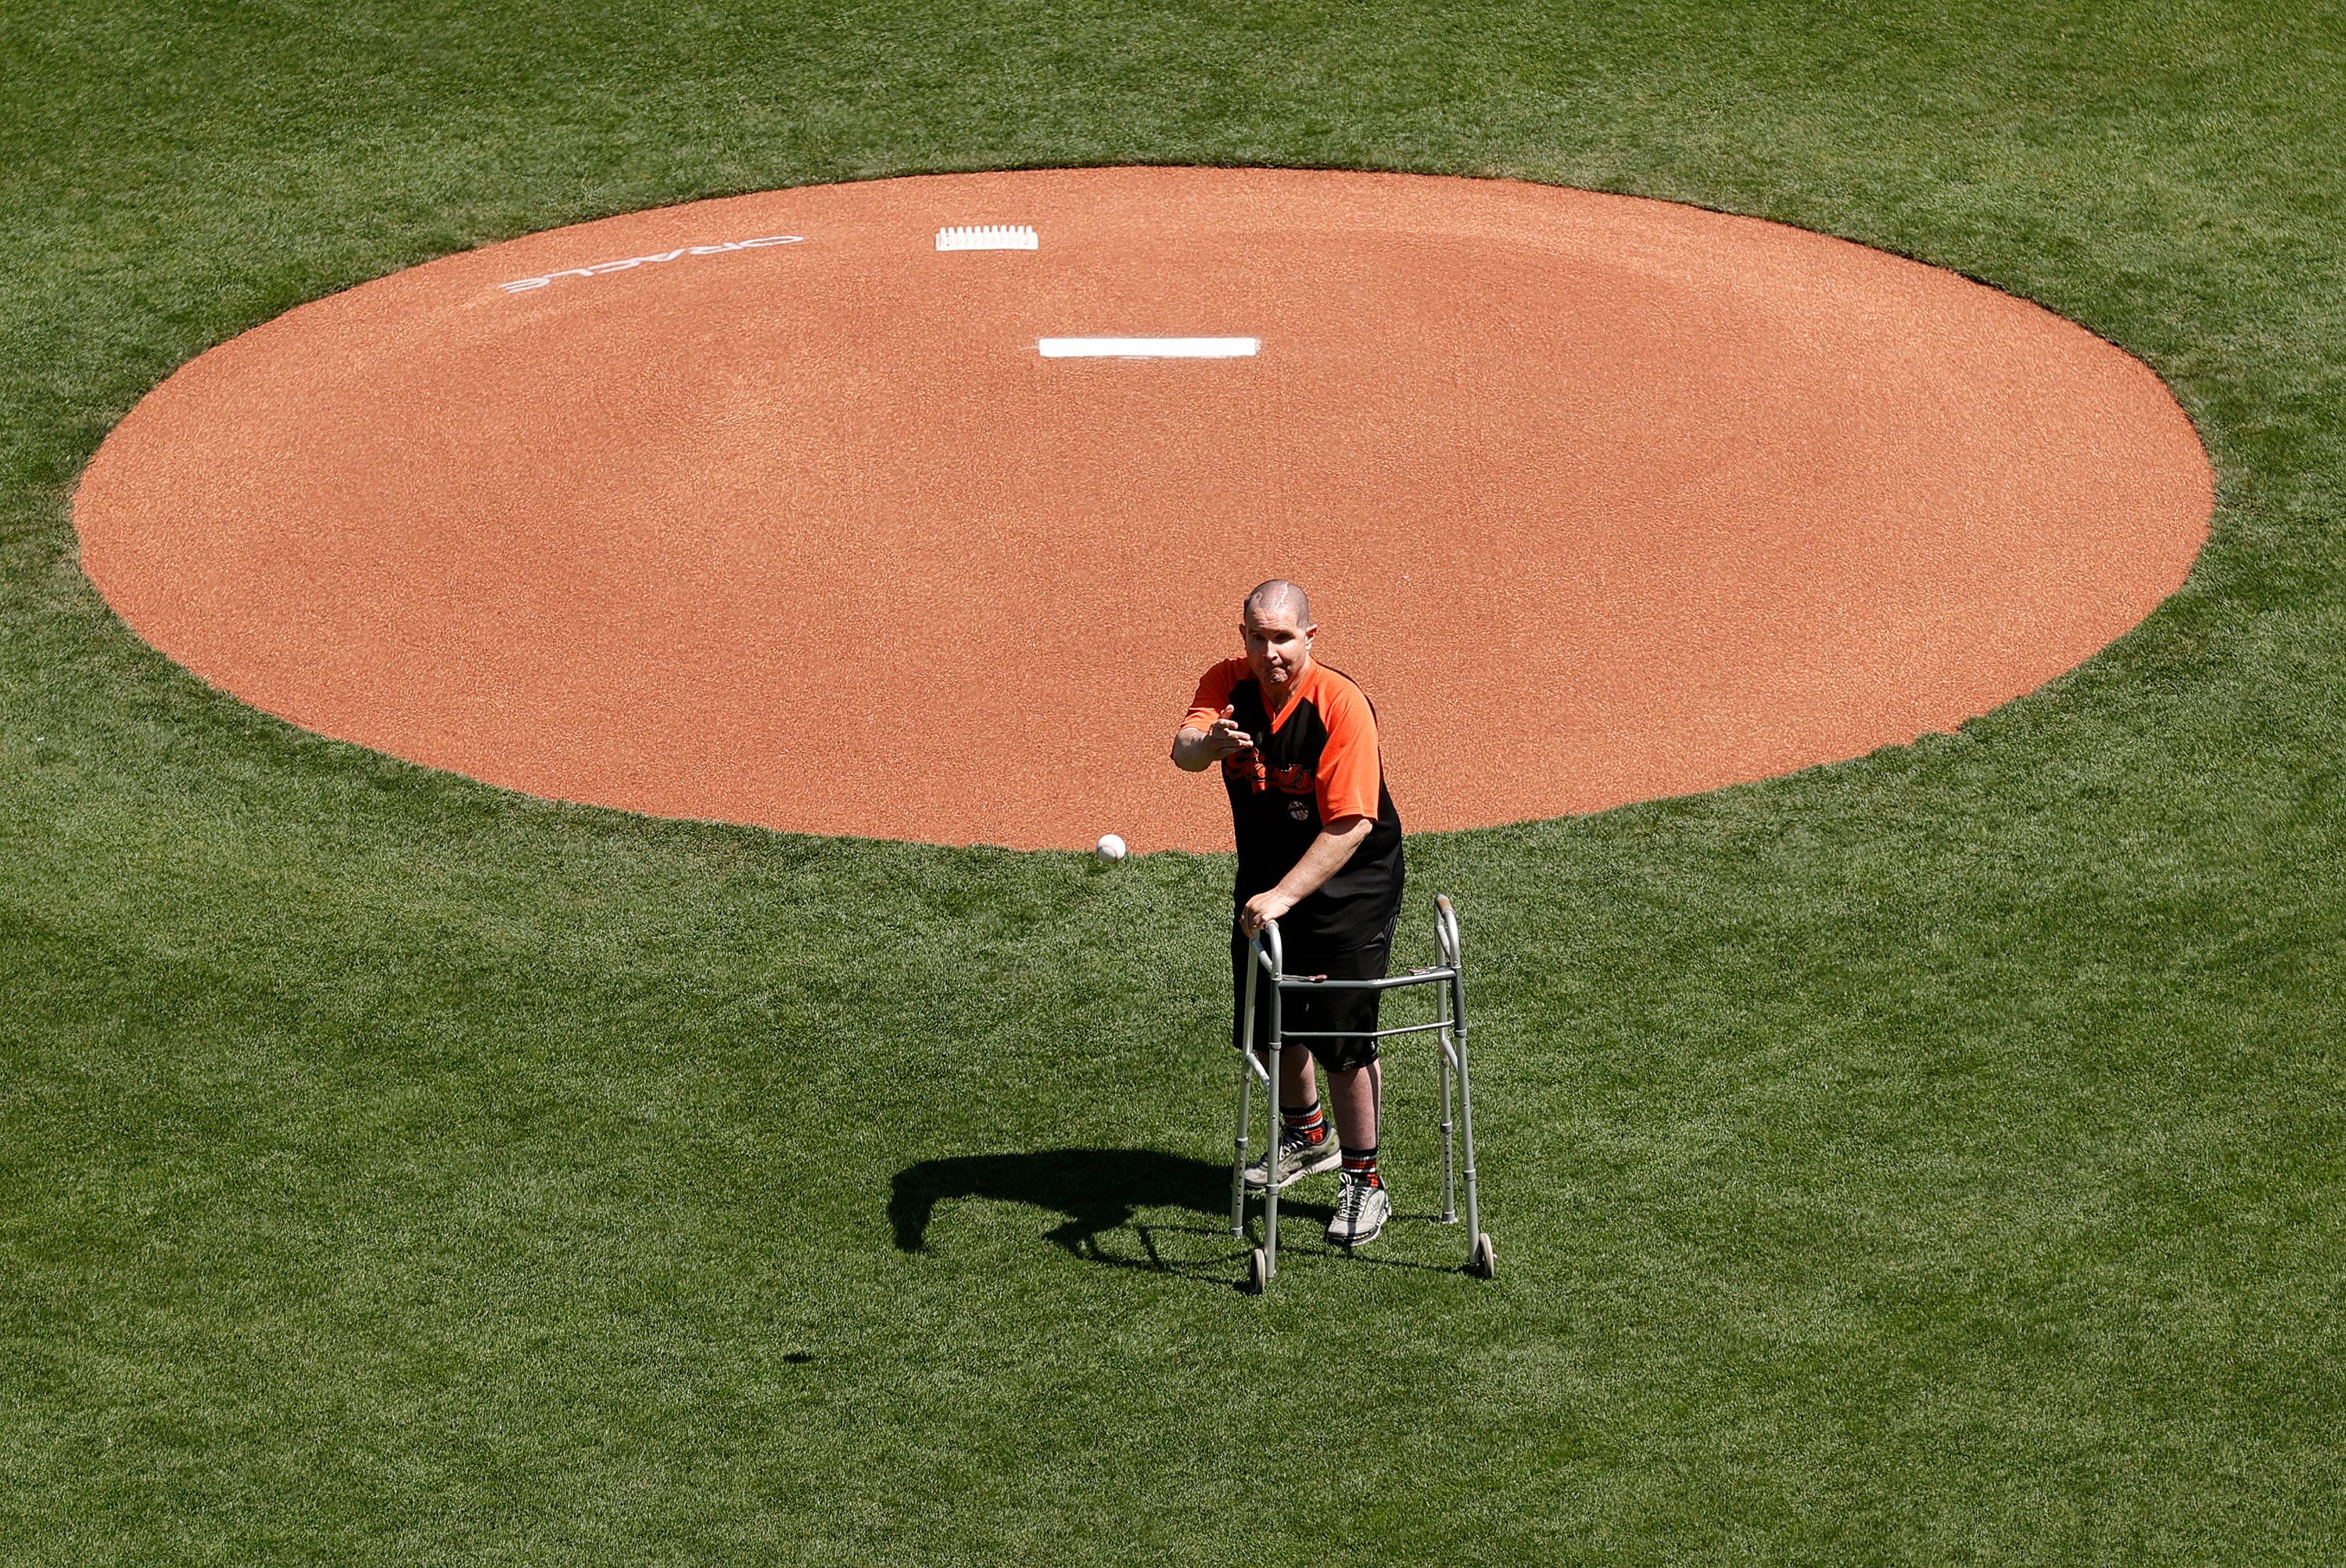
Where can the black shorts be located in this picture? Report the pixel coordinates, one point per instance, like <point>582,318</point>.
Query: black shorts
<point>1315,1010</point>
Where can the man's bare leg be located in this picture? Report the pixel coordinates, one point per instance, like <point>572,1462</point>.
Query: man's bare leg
<point>1353,1094</point>
<point>1295,1087</point>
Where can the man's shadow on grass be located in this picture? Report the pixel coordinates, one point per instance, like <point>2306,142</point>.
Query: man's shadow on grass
<point>1099,1191</point>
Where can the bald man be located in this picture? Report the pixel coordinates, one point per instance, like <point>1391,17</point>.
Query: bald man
<point>1319,852</point>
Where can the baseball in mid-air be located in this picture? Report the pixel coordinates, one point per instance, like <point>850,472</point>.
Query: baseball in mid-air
<point>1110,848</point>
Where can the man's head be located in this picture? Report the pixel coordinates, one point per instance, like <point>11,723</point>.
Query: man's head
<point>1276,627</point>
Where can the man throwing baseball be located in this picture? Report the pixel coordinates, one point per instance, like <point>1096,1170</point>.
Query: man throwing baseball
<point>1319,852</point>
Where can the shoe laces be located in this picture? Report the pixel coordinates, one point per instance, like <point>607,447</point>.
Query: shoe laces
<point>1292,1141</point>
<point>1351,1195</point>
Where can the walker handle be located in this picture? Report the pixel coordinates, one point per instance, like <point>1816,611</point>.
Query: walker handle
<point>1267,937</point>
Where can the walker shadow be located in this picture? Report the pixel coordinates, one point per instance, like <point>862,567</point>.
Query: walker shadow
<point>1097,1190</point>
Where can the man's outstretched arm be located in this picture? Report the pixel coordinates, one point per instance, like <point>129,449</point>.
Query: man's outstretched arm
<point>1195,749</point>
<point>1322,858</point>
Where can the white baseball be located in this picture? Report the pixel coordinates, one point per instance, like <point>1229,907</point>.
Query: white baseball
<point>1110,848</point>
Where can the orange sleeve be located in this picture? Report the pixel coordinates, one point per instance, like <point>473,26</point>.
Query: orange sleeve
<point>1213,694</point>
<point>1350,774</point>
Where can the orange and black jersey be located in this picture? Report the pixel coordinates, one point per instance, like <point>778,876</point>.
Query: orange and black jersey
<point>1317,763</point>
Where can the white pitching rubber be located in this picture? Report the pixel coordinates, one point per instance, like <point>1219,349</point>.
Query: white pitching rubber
<point>988,236</point>
<point>1149,348</point>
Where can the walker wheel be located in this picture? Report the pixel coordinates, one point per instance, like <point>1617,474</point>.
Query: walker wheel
<point>1482,1265</point>
<point>1257,1273</point>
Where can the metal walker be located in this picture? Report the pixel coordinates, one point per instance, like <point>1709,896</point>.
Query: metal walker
<point>1448,977</point>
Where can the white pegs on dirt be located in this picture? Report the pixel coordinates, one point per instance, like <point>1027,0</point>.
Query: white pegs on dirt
<point>988,236</point>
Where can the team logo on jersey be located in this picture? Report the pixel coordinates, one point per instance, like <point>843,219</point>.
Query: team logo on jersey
<point>1299,809</point>
<point>1246,768</point>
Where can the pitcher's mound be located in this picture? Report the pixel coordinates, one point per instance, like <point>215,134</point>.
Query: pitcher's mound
<point>773,510</point>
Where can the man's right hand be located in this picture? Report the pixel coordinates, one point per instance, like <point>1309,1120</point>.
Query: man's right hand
<point>1198,750</point>
<point>1226,739</point>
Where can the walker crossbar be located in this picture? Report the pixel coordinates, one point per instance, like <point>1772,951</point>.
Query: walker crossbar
<point>1260,1060</point>
<point>1364,1033</point>
<point>1387,982</point>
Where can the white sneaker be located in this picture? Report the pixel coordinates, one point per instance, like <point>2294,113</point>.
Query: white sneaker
<point>1297,1159</point>
<point>1361,1209</point>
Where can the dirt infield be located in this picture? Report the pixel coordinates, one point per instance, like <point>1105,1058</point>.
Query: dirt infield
<point>766,510</point>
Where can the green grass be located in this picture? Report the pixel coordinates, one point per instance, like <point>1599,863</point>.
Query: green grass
<point>1935,1158</point>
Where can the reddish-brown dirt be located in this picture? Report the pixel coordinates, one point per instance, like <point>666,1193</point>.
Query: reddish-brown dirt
<point>1598,498</point>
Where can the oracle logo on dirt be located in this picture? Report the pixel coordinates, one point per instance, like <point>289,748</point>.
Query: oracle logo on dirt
<point>523,285</point>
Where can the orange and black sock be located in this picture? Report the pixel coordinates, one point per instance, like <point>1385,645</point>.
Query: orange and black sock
<point>1306,1125</point>
<point>1363,1164</point>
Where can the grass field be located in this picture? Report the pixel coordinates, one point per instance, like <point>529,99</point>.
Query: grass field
<point>1933,1157</point>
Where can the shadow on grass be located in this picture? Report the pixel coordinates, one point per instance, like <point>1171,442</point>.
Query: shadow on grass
<point>1101,1193</point>
<point>1098,1191</point>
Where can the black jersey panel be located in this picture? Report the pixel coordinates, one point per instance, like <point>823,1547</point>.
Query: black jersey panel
<point>1275,811</point>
